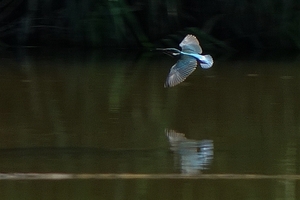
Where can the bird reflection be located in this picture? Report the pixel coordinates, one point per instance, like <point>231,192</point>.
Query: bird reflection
<point>193,155</point>
<point>189,55</point>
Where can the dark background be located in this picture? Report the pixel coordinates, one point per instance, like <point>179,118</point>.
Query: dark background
<point>219,24</point>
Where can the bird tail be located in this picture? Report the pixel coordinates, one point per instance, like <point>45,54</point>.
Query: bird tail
<point>206,62</point>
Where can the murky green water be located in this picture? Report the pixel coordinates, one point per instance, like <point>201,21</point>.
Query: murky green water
<point>89,125</point>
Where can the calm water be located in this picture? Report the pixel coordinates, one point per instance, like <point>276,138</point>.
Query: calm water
<point>89,125</point>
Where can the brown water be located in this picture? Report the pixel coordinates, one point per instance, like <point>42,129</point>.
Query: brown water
<point>89,125</point>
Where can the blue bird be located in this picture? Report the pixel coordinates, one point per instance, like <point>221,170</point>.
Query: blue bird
<point>189,55</point>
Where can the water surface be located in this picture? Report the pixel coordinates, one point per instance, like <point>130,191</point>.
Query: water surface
<point>77,113</point>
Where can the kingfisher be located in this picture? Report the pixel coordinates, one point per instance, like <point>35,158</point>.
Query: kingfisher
<point>190,55</point>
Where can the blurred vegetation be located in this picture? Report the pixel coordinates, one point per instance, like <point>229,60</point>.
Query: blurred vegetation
<point>220,24</point>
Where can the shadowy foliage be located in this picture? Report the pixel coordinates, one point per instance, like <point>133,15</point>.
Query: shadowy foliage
<point>220,25</point>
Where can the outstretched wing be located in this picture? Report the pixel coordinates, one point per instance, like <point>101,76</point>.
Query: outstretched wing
<point>190,44</point>
<point>182,69</point>
<point>174,136</point>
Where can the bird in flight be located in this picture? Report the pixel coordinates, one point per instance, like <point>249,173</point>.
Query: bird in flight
<point>190,55</point>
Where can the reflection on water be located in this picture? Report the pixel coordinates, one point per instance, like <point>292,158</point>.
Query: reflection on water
<point>72,112</point>
<point>193,156</point>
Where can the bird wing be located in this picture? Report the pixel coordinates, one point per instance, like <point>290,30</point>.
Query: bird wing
<point>182,69</point>
<point>190,44</point>
<point>174,136</point>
